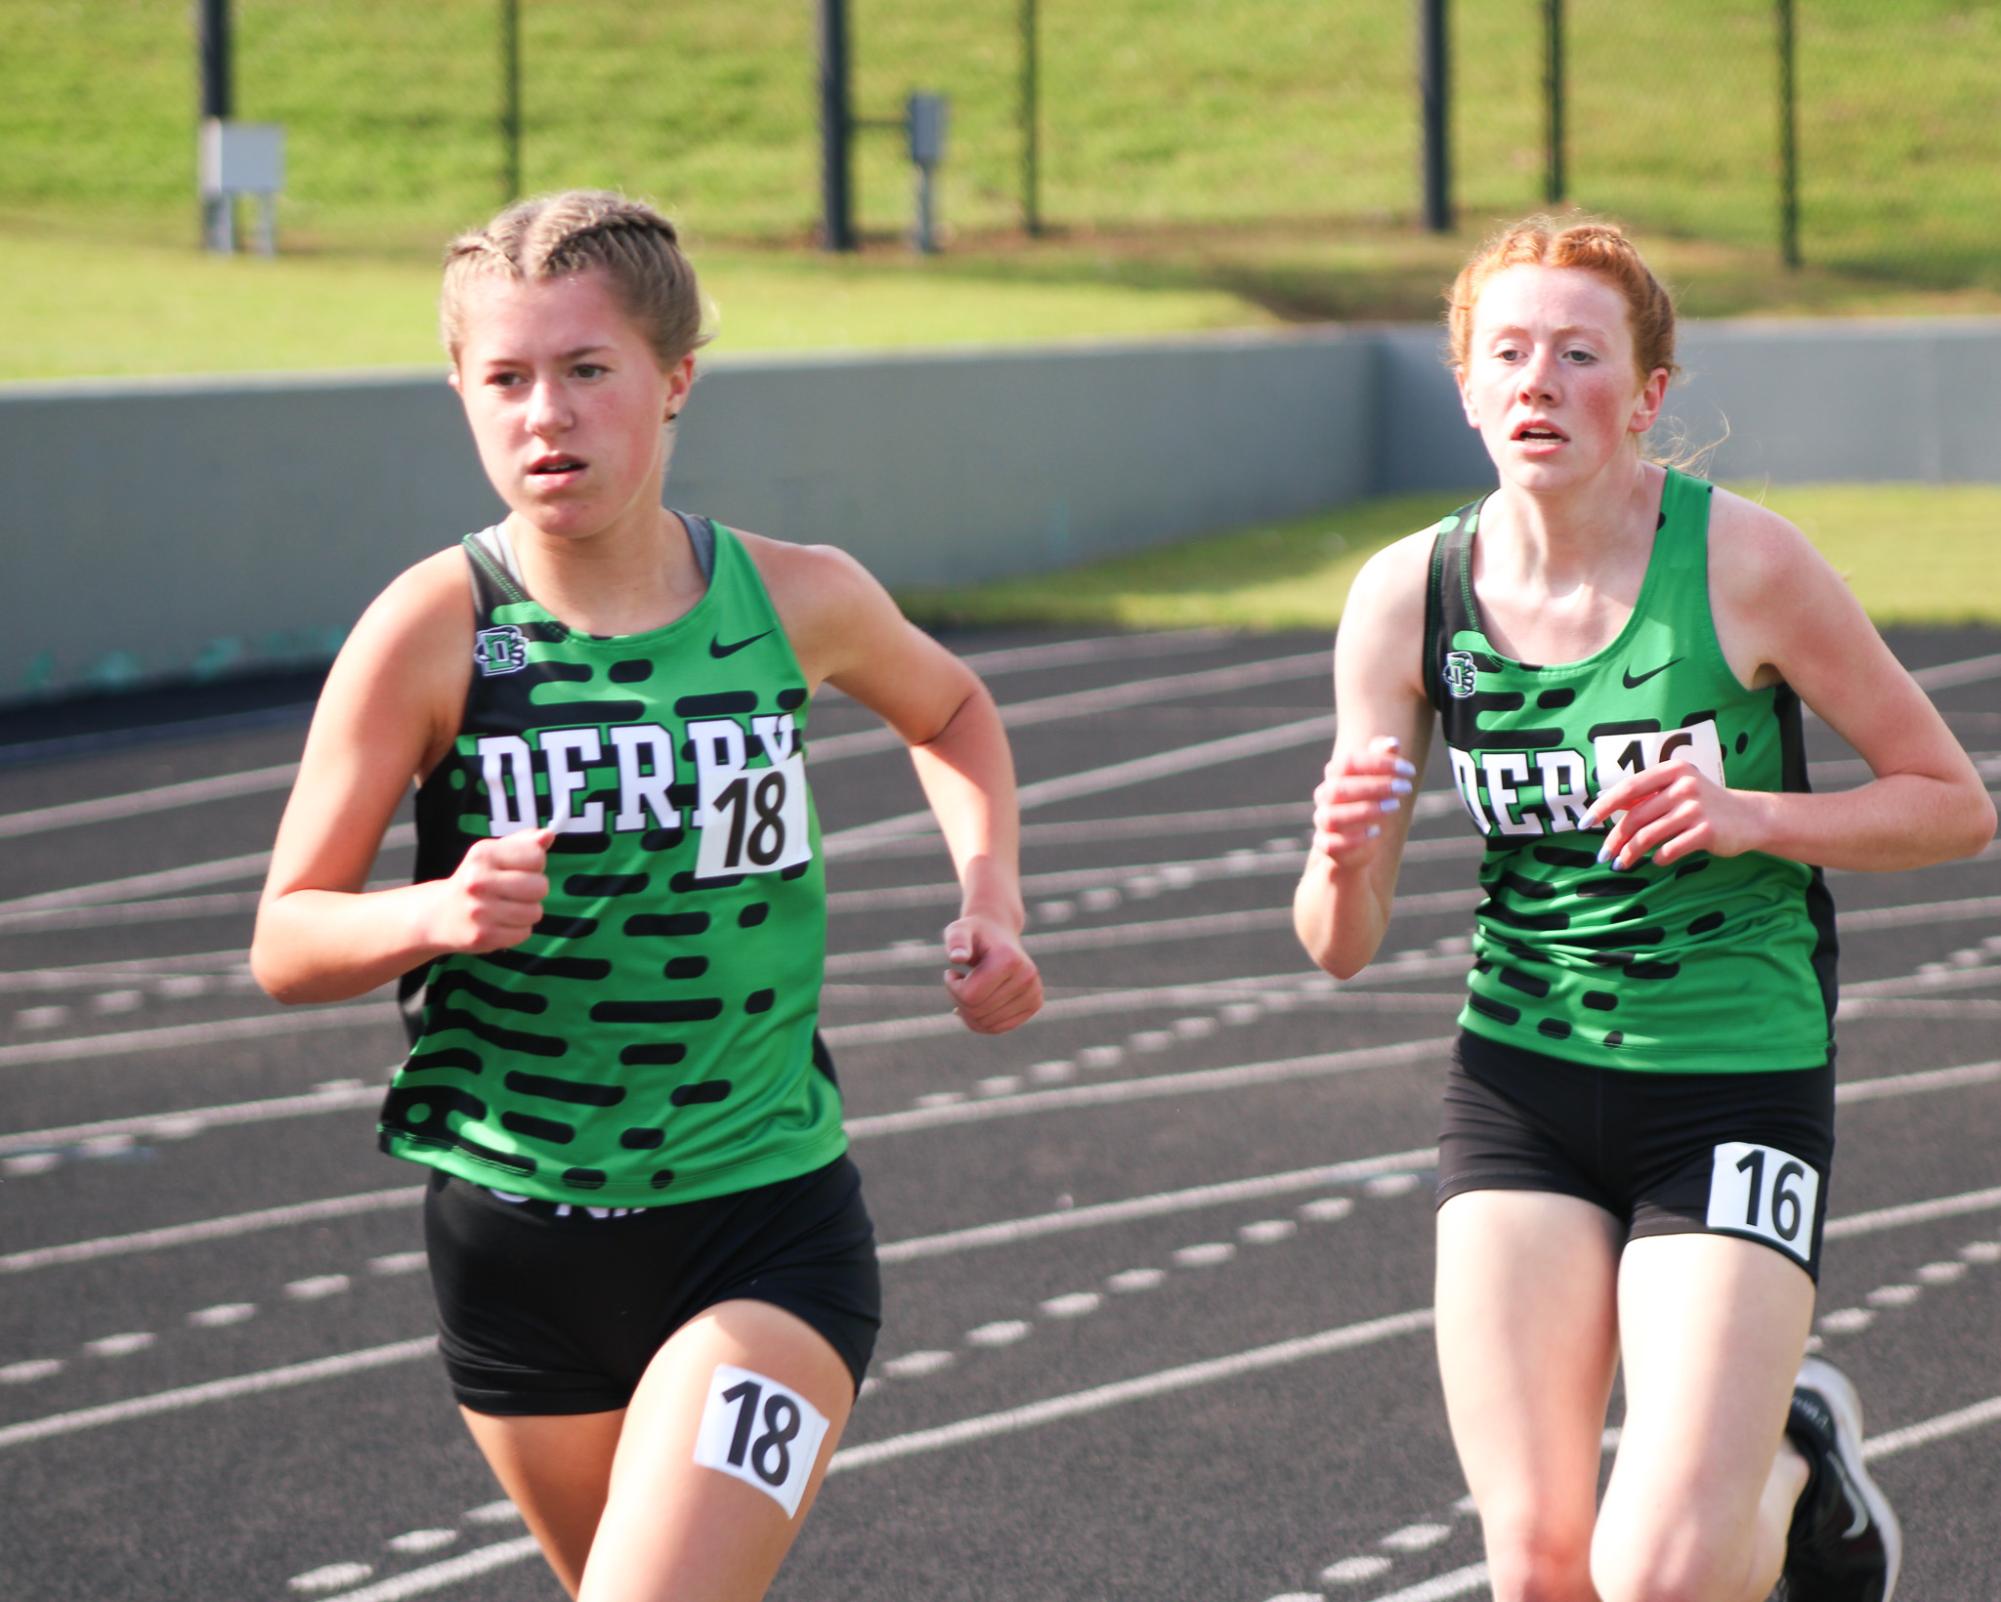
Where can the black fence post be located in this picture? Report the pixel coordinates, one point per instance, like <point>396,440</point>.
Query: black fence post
<point>1031,123</point>
<point>1789,150</point>
<point>1432,65</point>
<point>1553,174</point>
<point>837,225</point>
<point>217,101</point>
<point>510,101</point>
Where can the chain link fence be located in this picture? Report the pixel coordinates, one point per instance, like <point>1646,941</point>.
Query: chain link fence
<point>1075,115</point>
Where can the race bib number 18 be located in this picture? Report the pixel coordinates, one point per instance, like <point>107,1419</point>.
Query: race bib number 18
<point>757,1431</point>
<point>756,820</point>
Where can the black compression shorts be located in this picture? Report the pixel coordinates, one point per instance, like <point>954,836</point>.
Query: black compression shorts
<point>545,1308</point>
<point>1665,1154</point>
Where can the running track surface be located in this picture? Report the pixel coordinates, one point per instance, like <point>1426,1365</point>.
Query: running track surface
<point>1158,1265</point>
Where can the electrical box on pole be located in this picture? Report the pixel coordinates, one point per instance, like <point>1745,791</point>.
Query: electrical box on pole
<point>925,117</point>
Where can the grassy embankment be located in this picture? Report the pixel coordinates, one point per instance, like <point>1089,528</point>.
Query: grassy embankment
<point>1209,167</point>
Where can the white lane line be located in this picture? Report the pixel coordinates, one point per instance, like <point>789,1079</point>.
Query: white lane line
<point>1164,764</point>
<point>199,964</point>
<point>405,1351</point>
<point>189,876</point>
<point>318,1287</point>
<point>1924,1212</point>
<point>332,1577</point>
<point>1020,714</point>
<point>122,914</point>
<point>267,1380</point>
<point>1947,675</point>
<point>1920,913</point>
<point>1104,698</point>
<point>1145,1387</point>
<point>152,1240</point>
<point>255,781</point>
<point>920,955</point>
<point>1458,1583</point>
<point>1891,1442</point>
<point>342,1015</point>
<point>1917,1084</point>
<point>1953,979</point>
<point>1113,1092</point>
<point>144,803</point>
<point>242,1112</point>
<point>346,1100</point>
<point>436,1576</point>
<point>1008,1232</point>
<point>1093,649</point>
<point>1127,826</point>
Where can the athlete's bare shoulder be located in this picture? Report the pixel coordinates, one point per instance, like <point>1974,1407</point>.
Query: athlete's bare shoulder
<point>1754,553</point>
<point>1385,602</point>
<point>834,611</point>
<point>404,669</point>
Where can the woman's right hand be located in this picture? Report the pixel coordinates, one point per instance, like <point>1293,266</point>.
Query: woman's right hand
<point>1355,792</point>
<point>494,899</point>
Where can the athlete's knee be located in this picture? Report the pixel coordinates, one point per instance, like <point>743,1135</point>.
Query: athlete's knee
<point>1532,1557</point>
<point>1667,1555</point>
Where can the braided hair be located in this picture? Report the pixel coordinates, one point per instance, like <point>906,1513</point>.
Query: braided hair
<point>635,247</point>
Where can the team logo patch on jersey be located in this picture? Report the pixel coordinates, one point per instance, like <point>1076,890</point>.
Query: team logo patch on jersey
<point>501,650</point>
<point>1459,673</point>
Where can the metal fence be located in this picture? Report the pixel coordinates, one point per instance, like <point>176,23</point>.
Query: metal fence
<point>1073,115</point>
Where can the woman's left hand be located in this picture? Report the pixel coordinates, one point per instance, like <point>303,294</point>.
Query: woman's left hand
<point>1671,811</point>
<point>992,981</point>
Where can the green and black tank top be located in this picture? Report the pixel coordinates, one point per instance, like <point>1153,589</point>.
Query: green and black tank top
<point>653,1040</point>
<point>1710,965</point>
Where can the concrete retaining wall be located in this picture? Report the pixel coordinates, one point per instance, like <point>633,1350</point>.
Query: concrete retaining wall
<point>152,531</point>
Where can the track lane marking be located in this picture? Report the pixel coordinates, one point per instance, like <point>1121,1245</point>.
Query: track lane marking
<point>297,1374</point>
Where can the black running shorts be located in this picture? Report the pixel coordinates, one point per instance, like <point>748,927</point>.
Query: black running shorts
<point>1665,1154</point>
<point>546,1308</point>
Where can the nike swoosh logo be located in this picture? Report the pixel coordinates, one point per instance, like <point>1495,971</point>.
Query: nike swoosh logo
<point>1854,1494</point>
<point>718,650</point>
<point>1633,683</point>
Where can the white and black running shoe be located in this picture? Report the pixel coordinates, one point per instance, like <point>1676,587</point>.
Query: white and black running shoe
<point>1844,1544</point>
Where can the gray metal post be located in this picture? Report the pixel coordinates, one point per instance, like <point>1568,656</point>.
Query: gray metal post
<point>1789,149</point>
<point>510,100</point>
<point>1432,74</point>
<point>1031,123</point>
<point>212,47</point>
<point>1553,174</point>
<point>837,228</point>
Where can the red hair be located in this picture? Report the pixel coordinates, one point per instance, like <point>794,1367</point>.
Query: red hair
<point>1592,247</point>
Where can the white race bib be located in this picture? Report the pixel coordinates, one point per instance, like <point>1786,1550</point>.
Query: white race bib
<point>1762,1191</point>
<point>756,819</point>
<point>756,1430</point>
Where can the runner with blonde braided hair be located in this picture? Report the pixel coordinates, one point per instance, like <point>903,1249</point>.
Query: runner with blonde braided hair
<point>656,1279</point>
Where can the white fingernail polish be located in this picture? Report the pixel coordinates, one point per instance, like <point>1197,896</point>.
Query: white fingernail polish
<point>1399,787</point>
<point>1374,830</point>
<point>1406,769</point>
<point>1392,804</point>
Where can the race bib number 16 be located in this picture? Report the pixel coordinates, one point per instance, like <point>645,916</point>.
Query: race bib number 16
<point>1621,756</point>
<point>1762,1191</point>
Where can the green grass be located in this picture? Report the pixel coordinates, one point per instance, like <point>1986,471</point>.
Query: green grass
<point>1204,163</point>
<point>1937,569</point>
